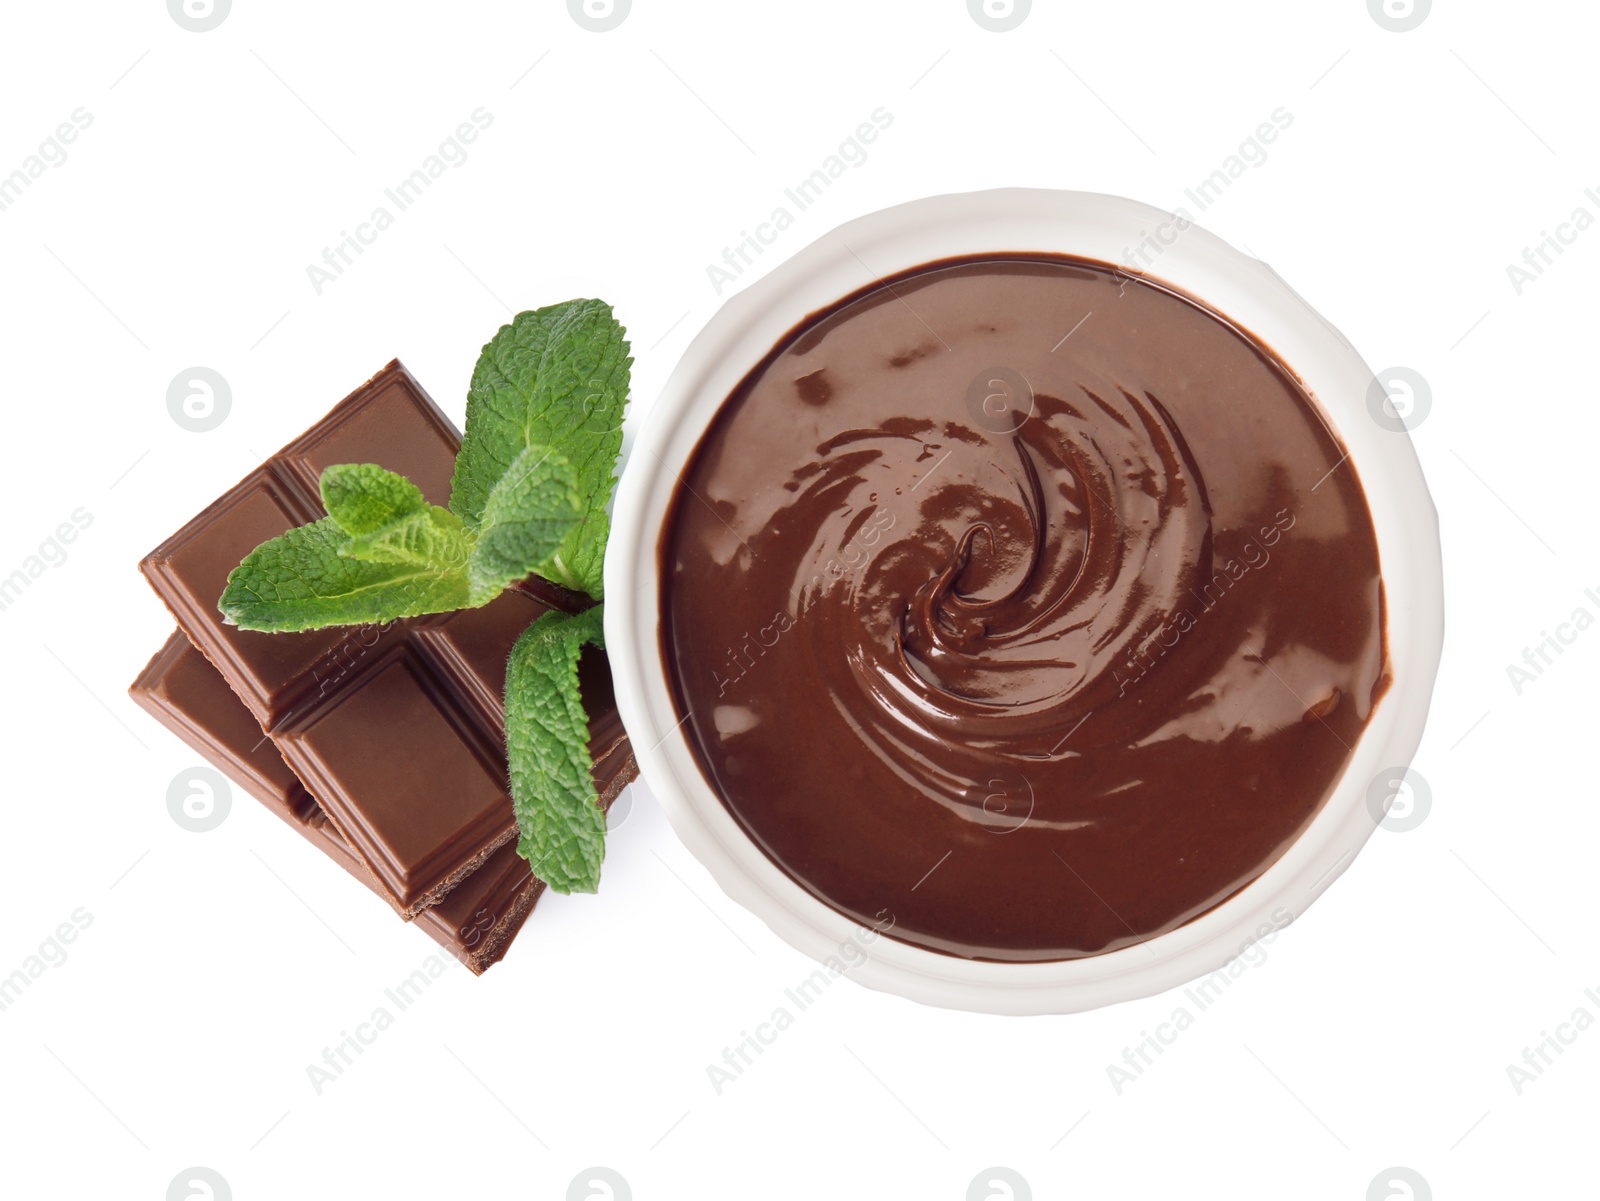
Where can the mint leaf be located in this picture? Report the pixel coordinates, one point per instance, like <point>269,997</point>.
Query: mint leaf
<point>364,498</point>
<point>562,829</point>
<point>433,538</point>
<point>306,579</point>
<point>555,377</point>
<point>532,510</point>
<point>580,562</point>
<point>389,521</point>
<point>384,552</point>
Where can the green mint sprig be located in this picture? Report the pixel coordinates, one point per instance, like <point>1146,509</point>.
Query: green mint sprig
<point>555,377</point>
<point>385,552</point>
<point>562,829</point>
<point>532,479</point>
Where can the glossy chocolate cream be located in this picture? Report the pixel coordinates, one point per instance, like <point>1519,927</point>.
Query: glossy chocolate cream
<point>1022,609</point>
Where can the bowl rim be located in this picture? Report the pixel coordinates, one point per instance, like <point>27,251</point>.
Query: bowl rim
<point>1177,253</point>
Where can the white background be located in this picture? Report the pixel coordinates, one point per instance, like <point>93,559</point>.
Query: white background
<point>1378,1031</point>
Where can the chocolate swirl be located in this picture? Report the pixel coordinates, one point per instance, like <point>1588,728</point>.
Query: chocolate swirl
<point>1107,598</point>
<point>988,599</point>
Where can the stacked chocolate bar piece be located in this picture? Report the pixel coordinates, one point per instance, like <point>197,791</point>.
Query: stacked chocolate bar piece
<point>383,745</point>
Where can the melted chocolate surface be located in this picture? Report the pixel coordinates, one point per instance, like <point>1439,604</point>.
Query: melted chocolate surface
<point>1030,608</point>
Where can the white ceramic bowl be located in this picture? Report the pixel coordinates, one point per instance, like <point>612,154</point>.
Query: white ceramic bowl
<point>1090,226</point>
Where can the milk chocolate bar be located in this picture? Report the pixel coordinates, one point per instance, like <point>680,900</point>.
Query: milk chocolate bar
<point>478,919</point>
<point>398,730</point>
